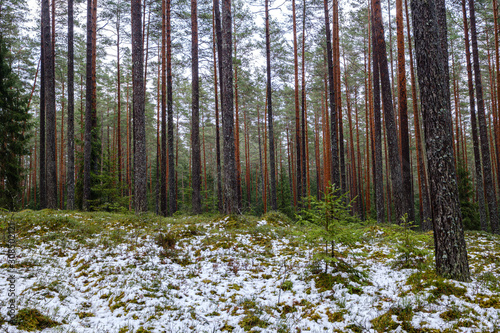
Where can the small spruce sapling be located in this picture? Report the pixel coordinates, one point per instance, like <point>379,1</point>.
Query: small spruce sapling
<point>409,254</point>
<point>330,221</point>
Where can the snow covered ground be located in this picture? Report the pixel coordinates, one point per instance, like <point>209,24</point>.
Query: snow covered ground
<point>108,275</point>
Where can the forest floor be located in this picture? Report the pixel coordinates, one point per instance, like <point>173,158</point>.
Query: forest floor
<point>100,272</point>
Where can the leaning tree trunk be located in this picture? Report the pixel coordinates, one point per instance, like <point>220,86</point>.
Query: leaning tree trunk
<point>140,181</point>
<point>450,248</point>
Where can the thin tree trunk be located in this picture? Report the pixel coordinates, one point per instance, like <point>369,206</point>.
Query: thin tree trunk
<point>274,204</point>
<point>172,187</point>
<point>195,116</point>
<point>403,114</point>
<point>217,132</point>
<point>43,194</point>
<point>297,112</point>
<point>71,110</point>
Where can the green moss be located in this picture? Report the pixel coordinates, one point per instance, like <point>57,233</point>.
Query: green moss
<point>32,320</point>
<point>451,314</point>
<point>335,316</point>
<point>286,310</point>
<point>355,328</point>
<point>2,320</point>
<point>82,315</point>
<point>384,322</point>
<point>486,301</point>
<point>286,285</point>
<point>250,321</point>
<point>227,328</point>
<point>425,280</point>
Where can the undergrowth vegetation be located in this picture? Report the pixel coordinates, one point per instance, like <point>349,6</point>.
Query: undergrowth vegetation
<point>85,272</point>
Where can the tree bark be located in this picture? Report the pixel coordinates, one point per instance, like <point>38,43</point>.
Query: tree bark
<point>172,187</point>
<point>217,132</point>
<point>71,111</point>
<point>274,204</point>
<point>231,200</point>
<point>378,174</point>
<point>298,140</point>
<point>335,175</point>
<point>195,115</point>
<point>140,181</point>
<point>450,248</point>
<point>50,110</point>
<point>43,194</point>
<point>403,113</point>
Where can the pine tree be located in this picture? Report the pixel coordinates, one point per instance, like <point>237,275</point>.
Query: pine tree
<point>140,166</point>
<point>450,248</point>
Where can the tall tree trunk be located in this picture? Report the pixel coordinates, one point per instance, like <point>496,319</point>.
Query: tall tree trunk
<point>237,123</point>
<point>483,131</point>
<point>71,111</point>
<point>50,110</point>
<point>403,114</point>
<point>497,65</point>
<point>298,140</point>
<point>305,151</point>
<point>119,97</point>
<point>378,174</point>
<point>335,175</point>
<point>338,94</point>
<point>163,190</point>
<point>140,185</point>
<point>43,193</point>
<point>274,204</point>
<point>195,115</point>
<point>425,210</point>
<point>89,161</point>
<point>390,123</point>
<point>475,139</point>
<point>230,186</point>
<point>217,132</point>
<point>450,248</point>
<point>172,187</point>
